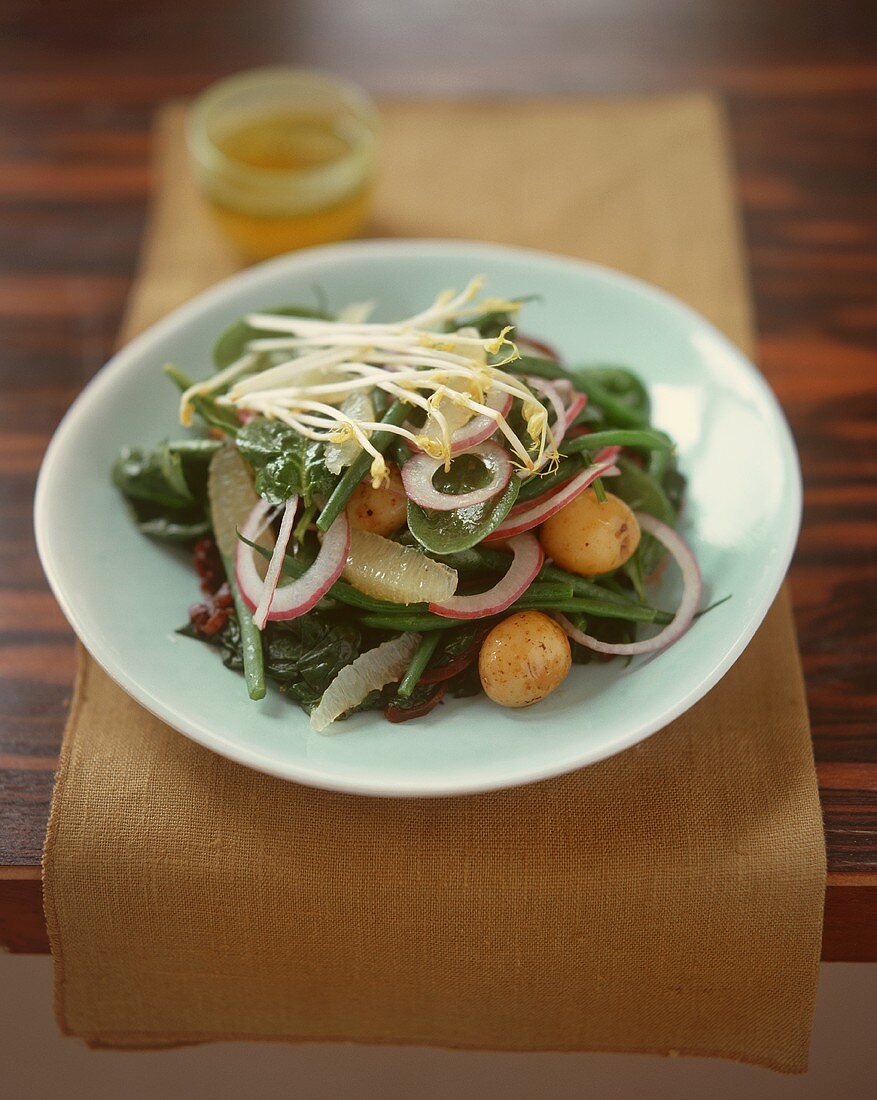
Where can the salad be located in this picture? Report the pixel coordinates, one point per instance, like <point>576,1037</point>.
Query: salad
<point>386,515</point>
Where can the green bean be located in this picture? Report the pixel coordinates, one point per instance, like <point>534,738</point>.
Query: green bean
<point>380,401</point>
<point>251,637</point>
<point>476,559</point>
<point>484,560</point>
<point>400,452</point>
<point>357,470</point>
<point>195,448</point>
<point>418,664</point>
<point>621,437</point>
<point>549,590</point>
<point>659,461</point>
<point>585,589</point>
<point>538,485</point>
<point>604,609</point>
<point>615,411</point>
<point>415,623</point>
<point>539,367</point>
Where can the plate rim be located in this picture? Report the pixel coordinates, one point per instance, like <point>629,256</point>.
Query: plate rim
<point>317,777</point>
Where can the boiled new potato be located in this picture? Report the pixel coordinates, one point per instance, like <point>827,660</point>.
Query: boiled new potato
<point>381,511</point>
<point>589,537</point>
<point>523,659</point>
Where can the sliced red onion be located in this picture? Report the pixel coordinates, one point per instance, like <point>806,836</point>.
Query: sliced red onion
<point>534,502</point>
<point>418,472</point>
<point>526,563</point>
<point>527,345</point>
<point>481,427</point>
<point>549,390</point>
<point>573,401</point>
<point>269,585</point>
<point>478,428</point>
<point>692,593</point>
<point>607,454</point>
<point>299,596</point>
<point>574,406</point>
<point>245,571</point>
<point>532,517</point>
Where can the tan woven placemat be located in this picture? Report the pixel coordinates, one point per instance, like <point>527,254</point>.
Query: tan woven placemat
<point>666,900</point>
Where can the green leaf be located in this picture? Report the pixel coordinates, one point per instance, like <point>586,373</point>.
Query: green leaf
<point>467,473</point>
<point>205,405</point>
<point>155,476</point>
<point>167,489</point>
<point>643,494</point>
<point>285,463</point>
<point>448,532</point>
<point>619,387</point>
<point>641,491</point>
<point>302,655</point>
<point>168,529</point>
<point>231,345</point>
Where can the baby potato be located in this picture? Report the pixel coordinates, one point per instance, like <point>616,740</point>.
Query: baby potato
<point>381,511</point>
<point>589,537</point>
<point>523,659</point>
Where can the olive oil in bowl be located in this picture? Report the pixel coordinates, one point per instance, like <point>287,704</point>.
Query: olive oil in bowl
<point>285,159</point>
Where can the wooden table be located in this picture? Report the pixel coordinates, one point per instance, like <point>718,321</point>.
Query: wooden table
<point>78,85</point>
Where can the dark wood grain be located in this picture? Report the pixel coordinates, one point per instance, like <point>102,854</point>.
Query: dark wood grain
<point>78,86</point>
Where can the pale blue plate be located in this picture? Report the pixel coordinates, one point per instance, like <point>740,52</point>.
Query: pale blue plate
<point>125,595</point>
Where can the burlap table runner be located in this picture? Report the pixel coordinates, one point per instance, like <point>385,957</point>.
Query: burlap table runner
<point>667,900</point>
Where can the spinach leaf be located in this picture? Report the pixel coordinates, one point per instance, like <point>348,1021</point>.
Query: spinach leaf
<point>619,394</point>
<point>447,532</point>
<point>303,656</point>
<point>644,494</point>
<point>231,345</point>
<point>167,489</point>
<point>170,529</point>
<point>454,643</point>
<point>467,472</point>
<point>205,405</point>
<point>465,683</point>
<point>641,491</point>
<point>155,476</point>
<point>284,462</point>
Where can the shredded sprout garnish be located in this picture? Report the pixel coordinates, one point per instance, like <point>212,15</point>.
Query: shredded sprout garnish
<point>434,361</point>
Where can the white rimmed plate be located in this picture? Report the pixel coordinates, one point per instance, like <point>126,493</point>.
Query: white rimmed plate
<point>125,595</point>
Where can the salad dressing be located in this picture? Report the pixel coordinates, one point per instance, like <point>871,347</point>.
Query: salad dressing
<point>286,142</point>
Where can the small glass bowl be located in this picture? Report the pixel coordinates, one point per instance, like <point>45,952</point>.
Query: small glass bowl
<point>285,158</point>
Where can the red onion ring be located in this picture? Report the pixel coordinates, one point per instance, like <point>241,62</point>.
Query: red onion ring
<point>527,345</point>
<point>476,430</point>
<point>559,498</point>
<point>574,406</point>
<point>298,597</point>
<point>269,585</point>
<point>526,563</point>
<point>573,401</point>
<point>245,571</point>
<point>549,389</point>
<point>692,593</point>
<point>418,472</point>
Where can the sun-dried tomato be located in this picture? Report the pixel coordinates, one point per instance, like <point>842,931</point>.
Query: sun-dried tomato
<point>405,714</point>
<point>210,617</point>
<point>208,566</point>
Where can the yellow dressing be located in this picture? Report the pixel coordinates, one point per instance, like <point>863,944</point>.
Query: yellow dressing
<point>286,142</point>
